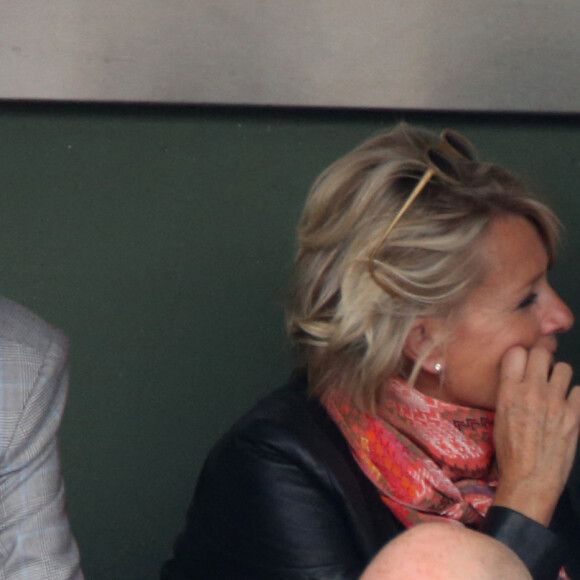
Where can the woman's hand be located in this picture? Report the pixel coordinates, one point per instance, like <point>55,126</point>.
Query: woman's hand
<point>536,432</point>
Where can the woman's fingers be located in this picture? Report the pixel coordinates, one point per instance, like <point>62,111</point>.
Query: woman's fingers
<point>560,379</point>
<point>513,366</point>
<point>538,365</point>
<point>536,431</point>
<point>522,369</point>
<point>574,400</point>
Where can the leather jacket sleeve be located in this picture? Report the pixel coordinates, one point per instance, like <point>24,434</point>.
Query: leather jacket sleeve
<point>262,510</point>
<point>540,549</point>
<point>280,496</point>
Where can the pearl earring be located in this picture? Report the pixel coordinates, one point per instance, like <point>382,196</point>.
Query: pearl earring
<point>438,367</point>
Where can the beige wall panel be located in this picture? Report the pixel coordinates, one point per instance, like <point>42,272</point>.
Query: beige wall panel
<point>509,55</point>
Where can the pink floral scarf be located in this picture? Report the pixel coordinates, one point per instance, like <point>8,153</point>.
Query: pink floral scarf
<point>430,460</point>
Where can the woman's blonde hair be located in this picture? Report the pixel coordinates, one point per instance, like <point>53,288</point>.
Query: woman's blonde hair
<point>349,333</point>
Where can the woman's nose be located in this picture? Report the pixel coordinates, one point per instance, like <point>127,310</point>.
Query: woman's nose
<point>558,317</point>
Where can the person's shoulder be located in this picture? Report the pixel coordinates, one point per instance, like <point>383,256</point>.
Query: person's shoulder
<point>288,426</point>
<point>21,326</point>
<point>288,412</point>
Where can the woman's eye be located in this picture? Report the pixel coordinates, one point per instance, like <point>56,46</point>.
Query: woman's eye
<point>528,300</point>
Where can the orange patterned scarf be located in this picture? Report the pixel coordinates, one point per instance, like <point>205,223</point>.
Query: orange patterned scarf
<point>430,460</point>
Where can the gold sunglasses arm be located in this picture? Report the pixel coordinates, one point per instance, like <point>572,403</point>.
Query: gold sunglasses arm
<point>416,191</point>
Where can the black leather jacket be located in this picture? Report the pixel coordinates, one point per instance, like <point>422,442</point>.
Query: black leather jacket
<point>281,498</point>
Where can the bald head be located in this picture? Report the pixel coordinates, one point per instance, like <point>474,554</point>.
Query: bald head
<point>441,551</point>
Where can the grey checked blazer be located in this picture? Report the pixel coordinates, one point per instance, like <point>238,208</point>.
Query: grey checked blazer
<point>35,538</point>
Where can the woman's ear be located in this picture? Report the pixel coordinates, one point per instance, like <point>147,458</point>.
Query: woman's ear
<point>424,345</point>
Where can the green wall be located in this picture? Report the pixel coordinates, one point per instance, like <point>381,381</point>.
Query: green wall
<point>160,239</point>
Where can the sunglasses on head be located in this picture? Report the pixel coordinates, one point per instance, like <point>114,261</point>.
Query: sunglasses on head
<point>442,162</point>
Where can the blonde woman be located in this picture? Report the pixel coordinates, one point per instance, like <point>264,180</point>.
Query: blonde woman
<point>426,388</point>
